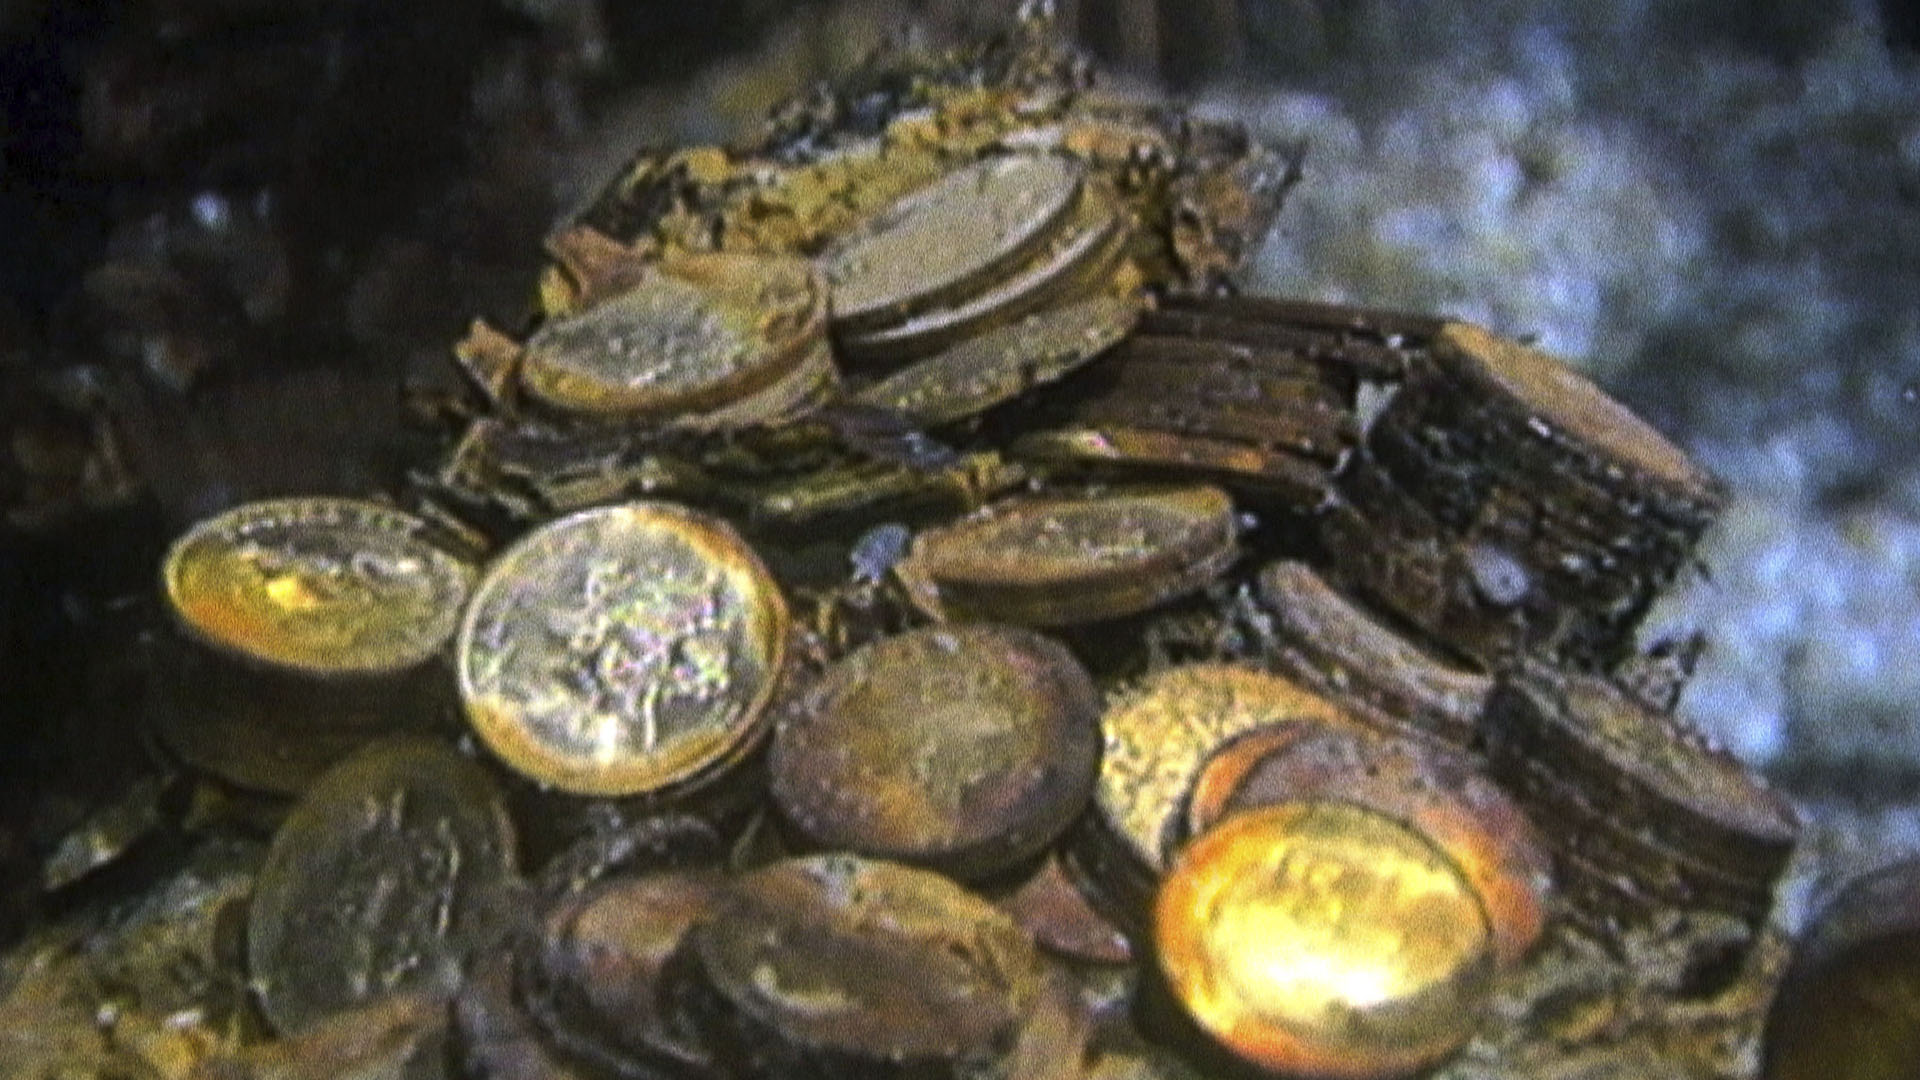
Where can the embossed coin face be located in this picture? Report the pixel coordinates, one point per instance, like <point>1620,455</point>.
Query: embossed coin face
<point>693,334</point>
<point>1323,939</point>
<point>381,879</point>
<point>326,586</point>
<point>964,749</point>
<point>1159,736</point>
<point>622,650</point>
<point>965,226</point>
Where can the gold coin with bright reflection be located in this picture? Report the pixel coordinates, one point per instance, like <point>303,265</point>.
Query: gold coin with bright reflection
<point>623,650</point>
<point>1326,940</point>
<point>330,587</point>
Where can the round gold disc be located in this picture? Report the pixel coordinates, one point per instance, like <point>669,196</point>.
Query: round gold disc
<point>325,586</point>
<point>623,649</point>
<point>694,333</point>
<point>1322,939</point>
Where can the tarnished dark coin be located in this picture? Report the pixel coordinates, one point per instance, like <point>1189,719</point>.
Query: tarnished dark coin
<point>1133,453</point>
<point>1051,908</point>
<point>623,650</point>
<point>1849,1005</point>
<point>948,237</point>
<point>964,749</point>
<point>834,966</point>
<point>493,1038</point>
<point>1325,640</point>
<point>1002,364</point>
<point>595,984</point>
<point>1060,560</point>
<point>381,880</point>
<point>692,334</point>
<point>398,1037</point>
<point>1429,789</point>
<point>325,587</point>
<point>1323,939</point>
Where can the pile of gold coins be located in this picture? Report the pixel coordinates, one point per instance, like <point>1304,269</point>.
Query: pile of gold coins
<point>896,611</point>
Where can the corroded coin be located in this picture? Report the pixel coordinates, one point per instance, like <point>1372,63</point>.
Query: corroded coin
<point>1050,907</point>
<point>1059,560</point>
<point>963,228</point>
<point>1322,939</point>
<point>694,333</point>
<point>834,966</point>
<point>596,983</point>
<point>329,587</point>
<point>965,749</point>
<point>623,650</point>
<point>381,880</point>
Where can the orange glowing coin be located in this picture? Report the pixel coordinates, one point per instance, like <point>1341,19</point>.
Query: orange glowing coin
<point>1323,939</point>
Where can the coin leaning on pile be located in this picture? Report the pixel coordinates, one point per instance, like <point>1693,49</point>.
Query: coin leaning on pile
<point>906,505</point>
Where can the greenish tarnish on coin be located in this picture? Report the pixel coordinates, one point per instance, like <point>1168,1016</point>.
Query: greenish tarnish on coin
<point>381,880</point>
<point>622,650</point>
<point>966,226</point>
<point>326,586</point>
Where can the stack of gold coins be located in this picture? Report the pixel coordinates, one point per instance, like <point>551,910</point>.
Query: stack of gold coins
<point>700,340</point>
<point>985,244</point>
<point>1256,395</point>
<point>302,628</point>
<point>1644,815</point>
<point>1507,505</point>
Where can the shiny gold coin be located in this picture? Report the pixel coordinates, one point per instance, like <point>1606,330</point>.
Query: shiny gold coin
<point>623,650</point>
<point>694,333</point>
<point>1159,735</point>
<point>381,880</point>
<point>965,227</point>
<point>1078,262</point>
<point>1060,560</point>
<point>1325,940</point>
<point>965,749</point>
<point>330,587</point>
<point>1432,790</point>
<point>1002,364</point>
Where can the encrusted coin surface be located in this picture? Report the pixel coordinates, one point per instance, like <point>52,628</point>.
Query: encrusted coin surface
<point>1322,939</point>
<point>840,966</point>
<point>381,880</point>
<point>622,650</point>
<point>963,748</point>
<point>966,226</point>
<point>331,587</point>
<point>1059,560</point>
<point>1158,736</point>
<point>694,333</point>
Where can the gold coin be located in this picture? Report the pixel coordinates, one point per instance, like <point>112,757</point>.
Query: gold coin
<point>964,227</point>
<point>622,650</point>
<point>1002,364</point>
<point>381,880</point>
<point>1323,939</point>
<point>334,587</point>
<point>694,333</point>
<point>1159,736</point>
<point>1054,561</point>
